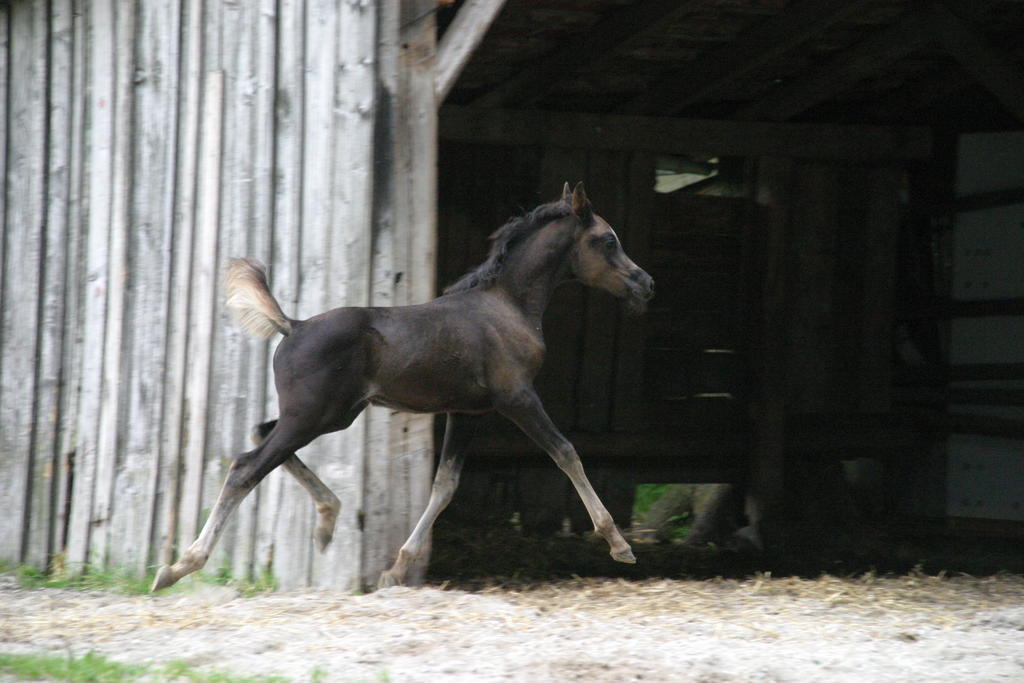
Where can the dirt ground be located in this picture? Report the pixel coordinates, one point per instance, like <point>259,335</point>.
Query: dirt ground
<point>905,628</point>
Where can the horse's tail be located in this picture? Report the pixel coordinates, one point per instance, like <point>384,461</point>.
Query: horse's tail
<point>249,297</point>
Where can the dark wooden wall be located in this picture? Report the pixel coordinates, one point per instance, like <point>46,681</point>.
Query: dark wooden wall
<point>771,325</point>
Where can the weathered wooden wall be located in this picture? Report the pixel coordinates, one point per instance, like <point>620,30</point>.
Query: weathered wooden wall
<point>144,144</point>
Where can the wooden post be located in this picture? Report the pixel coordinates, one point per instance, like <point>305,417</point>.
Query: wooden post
<point>399,457</point>
<point>764,493</point>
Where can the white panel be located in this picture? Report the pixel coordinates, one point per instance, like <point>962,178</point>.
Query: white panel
<point>990,161</point>
<point>988,250</point>
<point>984,477</point>
<point>986,340</point>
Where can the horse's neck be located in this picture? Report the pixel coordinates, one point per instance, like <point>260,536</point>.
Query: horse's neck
<point>537,268</point>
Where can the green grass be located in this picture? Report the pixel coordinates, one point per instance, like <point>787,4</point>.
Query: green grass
<point>646,496</point>
<point>126,582</point>
<point>90,578</point>
<point>93,668</point>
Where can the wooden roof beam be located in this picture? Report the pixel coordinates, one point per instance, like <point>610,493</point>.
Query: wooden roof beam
<point>752,49</point>
<point>594,44</point>
<point>666,135</point>
<point>978,58</point>
<point>868,57</point>
<point>912,98</point>
<point>460,41</point>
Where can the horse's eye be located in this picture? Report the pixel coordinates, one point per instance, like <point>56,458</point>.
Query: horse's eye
<point>610,245</point>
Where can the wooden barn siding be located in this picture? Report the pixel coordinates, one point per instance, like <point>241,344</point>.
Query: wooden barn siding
<point>143,144</point>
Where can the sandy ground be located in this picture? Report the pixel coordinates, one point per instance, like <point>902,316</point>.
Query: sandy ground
<point>912,628</point>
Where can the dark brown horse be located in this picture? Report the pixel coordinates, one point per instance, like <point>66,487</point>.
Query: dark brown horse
<point>473,350</point>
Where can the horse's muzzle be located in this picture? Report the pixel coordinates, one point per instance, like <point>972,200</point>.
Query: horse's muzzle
<point>641,290</point>
<point>644,284</point>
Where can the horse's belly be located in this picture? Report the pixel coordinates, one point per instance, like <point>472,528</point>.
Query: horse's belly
<point>432,393</point>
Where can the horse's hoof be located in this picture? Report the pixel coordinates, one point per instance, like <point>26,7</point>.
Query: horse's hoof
<point>387,580</point>
<point>624,556</point>
<point>323,537</point>
<point>164,579</point>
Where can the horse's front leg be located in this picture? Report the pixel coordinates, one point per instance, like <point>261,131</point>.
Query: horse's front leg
<point>525,409</point>
<point>457,433</point>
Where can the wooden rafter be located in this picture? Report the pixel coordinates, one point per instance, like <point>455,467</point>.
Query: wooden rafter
<point>683,136</point>
<point>709,73</point>
<point>978,58</point>
<point>914,97</point>
<point>868,57</point>
<point>461,40</point>
<point>597,42</point>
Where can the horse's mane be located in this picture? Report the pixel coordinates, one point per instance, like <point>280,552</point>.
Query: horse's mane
<point>517,229</point>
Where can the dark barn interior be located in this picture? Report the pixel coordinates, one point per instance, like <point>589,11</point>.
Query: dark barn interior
<point>792,174</point>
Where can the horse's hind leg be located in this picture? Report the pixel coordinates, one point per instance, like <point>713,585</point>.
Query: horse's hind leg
<point>246,471</point>
<point>526,410</point>
<point>327,504</point>
<point>457,433</point>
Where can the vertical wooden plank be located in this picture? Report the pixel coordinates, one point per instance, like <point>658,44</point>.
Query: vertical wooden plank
<point>24,250</point>
<point>563,321</point>
<point>296,517</point>
<point>53,292</point>
<point>606,188</point>
<point>229,406</point>
<point>263,50</point>
<point>74,277</point>
<point>417,67</point>
<point>628,386</point>
<point>151,221</point>
<point>5,20</point>
<point>287,230</point>
<point>204,289</point>
<point>882,226</point>
<point>167,524</point>
<point>397,459</point>
<point>99,143</point>
<point>219,40</point>
<point>811,334</point>
<point>769,348</point>
<point>113,400</point>
<point>389,283</point>
<point>352,250</point>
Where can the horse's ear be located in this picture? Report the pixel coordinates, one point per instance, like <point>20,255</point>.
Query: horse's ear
<point>566,193</point>
<point>580,202</point>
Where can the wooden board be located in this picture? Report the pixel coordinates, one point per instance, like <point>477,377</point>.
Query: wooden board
<point>23,273</point>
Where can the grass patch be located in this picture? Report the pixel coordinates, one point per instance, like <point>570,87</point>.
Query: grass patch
<point>90,578</point>
<point>93,668</point>
<point>125,582</point>
<point>646,496</point>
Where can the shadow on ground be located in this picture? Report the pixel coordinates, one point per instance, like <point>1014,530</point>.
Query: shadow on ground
<point>472,555</point>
